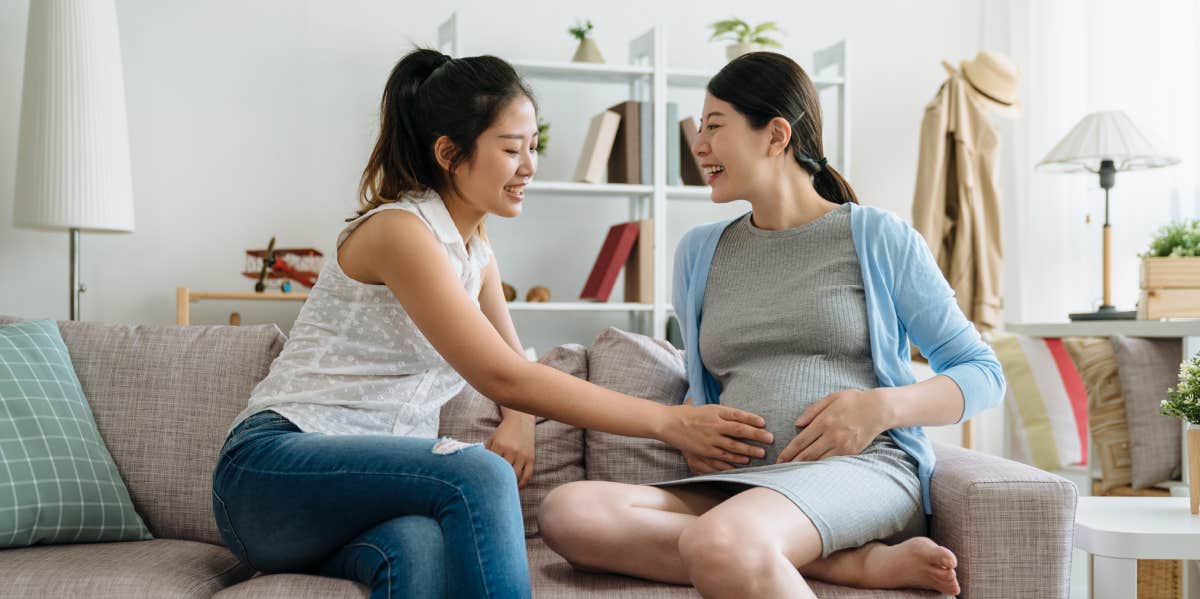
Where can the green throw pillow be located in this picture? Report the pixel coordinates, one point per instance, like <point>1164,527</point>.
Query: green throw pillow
<point>58,483</point>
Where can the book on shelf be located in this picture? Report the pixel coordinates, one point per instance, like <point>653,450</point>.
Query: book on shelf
<point>646,142</point>
<point>614,253</point>
<point>597,147</point>
<point>624,163</point>
<point>639,269</point>
<point>689,170</point>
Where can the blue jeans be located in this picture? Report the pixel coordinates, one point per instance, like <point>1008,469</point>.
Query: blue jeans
<point>385,511</point>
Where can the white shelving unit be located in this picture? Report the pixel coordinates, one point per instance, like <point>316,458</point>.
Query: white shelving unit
<point>649,77</point>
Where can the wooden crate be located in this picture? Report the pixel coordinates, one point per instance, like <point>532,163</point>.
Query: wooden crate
<point>1169,303</point>
<point>1170,288</point>
<point>1170,273</point>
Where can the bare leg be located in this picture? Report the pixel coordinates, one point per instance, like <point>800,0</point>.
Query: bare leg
<point>751,546</point>
<point>629,529</point>
<point>636,530</point>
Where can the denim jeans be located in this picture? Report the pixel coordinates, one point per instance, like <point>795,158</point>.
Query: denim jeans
<point>385,511</point>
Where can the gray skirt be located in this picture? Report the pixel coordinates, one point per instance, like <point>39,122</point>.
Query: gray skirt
<point>851,500</point>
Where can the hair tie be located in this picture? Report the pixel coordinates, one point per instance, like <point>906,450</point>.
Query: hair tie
<point>815,166</point>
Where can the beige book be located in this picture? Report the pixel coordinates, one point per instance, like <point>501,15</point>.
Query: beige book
<point>639,270</point>
<point>597,146</point>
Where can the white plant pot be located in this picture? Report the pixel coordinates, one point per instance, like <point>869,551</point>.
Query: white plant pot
<point>733,51</point>
<point>1193,457</point>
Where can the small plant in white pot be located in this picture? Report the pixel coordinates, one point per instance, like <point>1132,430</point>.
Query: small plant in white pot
<point>1184,403</point>
<point>587,51</point>
<point>744,37</point>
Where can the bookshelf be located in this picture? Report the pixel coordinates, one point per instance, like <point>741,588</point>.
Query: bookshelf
<point>650,78</point>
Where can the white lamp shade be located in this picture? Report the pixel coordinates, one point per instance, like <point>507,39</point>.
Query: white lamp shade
<point>1106,136</point>
<point>73,153</point>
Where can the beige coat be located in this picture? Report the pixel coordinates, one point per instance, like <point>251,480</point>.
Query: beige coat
<point>957,205</point>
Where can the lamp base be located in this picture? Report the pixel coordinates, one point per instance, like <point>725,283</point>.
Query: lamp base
<point>1105,313</point>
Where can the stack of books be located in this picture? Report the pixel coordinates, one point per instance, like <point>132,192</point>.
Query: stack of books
<point>619,147</point>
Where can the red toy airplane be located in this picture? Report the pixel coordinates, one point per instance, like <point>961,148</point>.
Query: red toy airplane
<point>296,264</point>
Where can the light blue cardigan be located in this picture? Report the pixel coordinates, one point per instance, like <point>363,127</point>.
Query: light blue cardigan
<point>907,297</point>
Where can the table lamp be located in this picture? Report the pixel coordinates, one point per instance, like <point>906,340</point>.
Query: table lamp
<point>1104,143</point>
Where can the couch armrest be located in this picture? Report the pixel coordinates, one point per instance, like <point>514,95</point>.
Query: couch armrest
<point>1011,525</point>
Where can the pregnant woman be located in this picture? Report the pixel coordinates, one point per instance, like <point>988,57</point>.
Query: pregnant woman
<point>801,311</point>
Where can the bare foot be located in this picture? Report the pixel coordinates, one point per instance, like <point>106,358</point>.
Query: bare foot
<point>915,563</point>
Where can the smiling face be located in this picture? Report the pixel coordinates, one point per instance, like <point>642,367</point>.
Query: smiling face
<point>734,156</point>
<point>493,181</point>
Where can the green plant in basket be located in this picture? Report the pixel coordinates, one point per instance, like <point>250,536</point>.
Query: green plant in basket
<point>1177,239</point>
<point>1184,399</point>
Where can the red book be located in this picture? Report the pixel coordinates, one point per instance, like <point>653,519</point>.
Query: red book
<point>613,255</point>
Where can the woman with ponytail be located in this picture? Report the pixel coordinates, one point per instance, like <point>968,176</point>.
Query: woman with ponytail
<point>801,310</point>
<point>334,467</point>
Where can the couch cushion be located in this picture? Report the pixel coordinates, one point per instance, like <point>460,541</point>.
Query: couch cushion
<point>471,417</point>
<point>64,485</point>
<point>642,367</point>
<point>1147,368</point>
<point>553,577</point>
<point>296,586</point>
<point>157,569</point>
<point>1094,358</point>
<point>163,398</point>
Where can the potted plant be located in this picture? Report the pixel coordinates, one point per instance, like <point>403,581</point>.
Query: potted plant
<point>1184,403</point>
<point>744,37</point>
<point>1170,273</point>
<point>587,51</point>
<point>543,137</point>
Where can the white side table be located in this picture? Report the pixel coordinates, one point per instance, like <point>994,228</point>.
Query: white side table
<point>1118,531</point>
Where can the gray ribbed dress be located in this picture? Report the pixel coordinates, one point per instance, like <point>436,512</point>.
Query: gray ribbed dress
<point>785,324</point>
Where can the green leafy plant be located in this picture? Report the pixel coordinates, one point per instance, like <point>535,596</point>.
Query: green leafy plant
<point>581,30</point>
<point>1176,239</point>
<point>543,136</point>
<point>1184,399</point>
<point>739,31</point>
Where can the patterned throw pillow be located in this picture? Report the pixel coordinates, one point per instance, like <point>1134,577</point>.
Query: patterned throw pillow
<point>652,369</point>
<point>1148,367</point>
<point>558,447</point>
<point>1046,400</point>
<point>59,479</point>
<point>1094,358</point>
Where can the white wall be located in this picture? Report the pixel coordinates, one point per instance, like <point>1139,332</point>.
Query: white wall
<point>252,119</point>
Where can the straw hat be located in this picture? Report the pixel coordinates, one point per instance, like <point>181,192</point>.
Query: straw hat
<point>994,80</point>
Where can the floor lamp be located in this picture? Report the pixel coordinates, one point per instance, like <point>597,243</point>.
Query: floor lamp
<point>73,170</point>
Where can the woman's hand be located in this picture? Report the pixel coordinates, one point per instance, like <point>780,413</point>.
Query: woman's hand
<point>843,423</point>
<point>513,441</point>
<point>714,432</point>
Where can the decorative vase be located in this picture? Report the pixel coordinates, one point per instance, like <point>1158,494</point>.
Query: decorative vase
<point>733,51</point>
<point>1193,458</point>
<point>588,51</point>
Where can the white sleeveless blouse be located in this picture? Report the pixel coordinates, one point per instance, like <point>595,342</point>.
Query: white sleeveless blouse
<point>355,362</point>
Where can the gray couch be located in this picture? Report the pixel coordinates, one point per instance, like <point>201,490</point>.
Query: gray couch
<point>163,397</point>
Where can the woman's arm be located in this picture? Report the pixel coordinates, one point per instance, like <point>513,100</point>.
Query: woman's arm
<point>928,310</point>
<point>413,264</point>
<point>514,439</point>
